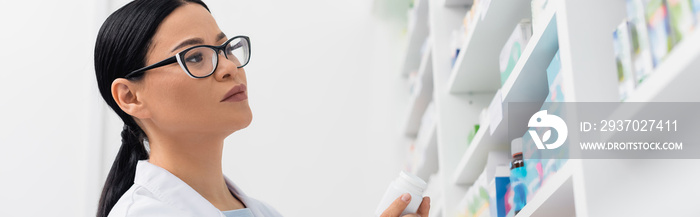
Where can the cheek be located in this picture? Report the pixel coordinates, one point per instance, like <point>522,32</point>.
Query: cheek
<point>179,103</point>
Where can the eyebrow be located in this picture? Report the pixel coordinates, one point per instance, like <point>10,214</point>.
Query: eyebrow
<point>194,41</point>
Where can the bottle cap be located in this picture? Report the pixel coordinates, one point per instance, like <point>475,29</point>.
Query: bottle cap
<point>413,180</point>
<point>516,146</point>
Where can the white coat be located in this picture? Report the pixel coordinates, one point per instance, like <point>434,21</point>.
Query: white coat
<point>157,192</point>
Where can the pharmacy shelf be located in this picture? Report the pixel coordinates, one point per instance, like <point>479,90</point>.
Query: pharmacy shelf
<point>588,68</point>
<point>428,146</point>
<point>455,113</point>
<point>588,64</point>
<point>527,83</point>
<point>474,159</point>
<point>676,78</point>
<point>416,36</point>
<point>458,3</point>
<point>555,197</point>
<point>589,75</point>
<point>476,68</point>
<point>420,100</point>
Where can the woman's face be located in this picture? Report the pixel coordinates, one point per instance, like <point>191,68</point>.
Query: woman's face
<point>179,104</point>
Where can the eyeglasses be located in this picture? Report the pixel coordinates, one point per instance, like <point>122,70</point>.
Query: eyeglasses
<point>201,61</point>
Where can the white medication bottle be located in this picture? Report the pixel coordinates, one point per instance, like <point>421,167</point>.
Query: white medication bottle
<point>405,183</point>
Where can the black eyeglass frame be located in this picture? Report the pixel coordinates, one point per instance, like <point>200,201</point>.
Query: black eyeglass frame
<point>178,58</point>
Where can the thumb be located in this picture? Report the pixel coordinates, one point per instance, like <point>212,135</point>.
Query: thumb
<point>397,207</point>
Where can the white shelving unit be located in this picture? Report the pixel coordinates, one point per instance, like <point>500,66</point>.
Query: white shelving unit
<point>582,32</point>
<point>455,113</point>
<point>416,36</point>
<point>419,102</point>
<point>429,165</point>
<point>675,76</point>
<point>425,142</point>
<point>556,197</point>
<point>662,187</point>
<point>669,80</point>
<point>476,69</point>
<point>527,83</point>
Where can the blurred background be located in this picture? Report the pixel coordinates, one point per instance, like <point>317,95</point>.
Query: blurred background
<point>345,95</point>
<point>324,140</point>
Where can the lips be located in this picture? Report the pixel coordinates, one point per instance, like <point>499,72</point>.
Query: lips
<point>236,94</point>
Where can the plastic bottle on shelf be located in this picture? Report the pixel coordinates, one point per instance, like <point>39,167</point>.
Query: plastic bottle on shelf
<point>405,183</point>
<point>518,175</point>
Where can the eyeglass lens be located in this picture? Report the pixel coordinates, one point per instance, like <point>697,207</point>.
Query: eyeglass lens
<point>201,61</point>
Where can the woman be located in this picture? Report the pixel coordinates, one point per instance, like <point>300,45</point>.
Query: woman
<point>178,83</point>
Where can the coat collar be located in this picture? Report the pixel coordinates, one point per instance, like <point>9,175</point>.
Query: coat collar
<point>172,190</point>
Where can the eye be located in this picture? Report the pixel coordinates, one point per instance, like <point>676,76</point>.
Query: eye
<point>231,47</point>
<point>194,58</point>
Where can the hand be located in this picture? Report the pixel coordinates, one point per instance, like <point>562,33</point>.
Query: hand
<point>401,203</point>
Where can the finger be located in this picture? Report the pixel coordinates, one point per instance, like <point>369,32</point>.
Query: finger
<point>424,208</point>
<point>411,215</point>
<point>397,206</point>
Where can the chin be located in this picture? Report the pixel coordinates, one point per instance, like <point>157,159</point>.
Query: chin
<point>240,121</point>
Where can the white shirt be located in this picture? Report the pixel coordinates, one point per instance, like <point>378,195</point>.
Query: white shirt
<point>157,192</point>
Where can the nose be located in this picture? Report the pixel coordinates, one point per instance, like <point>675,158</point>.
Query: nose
<point>225,68</point>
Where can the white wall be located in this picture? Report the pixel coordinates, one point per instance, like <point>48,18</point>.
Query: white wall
<point>324,90</point>
<point>49,121</point>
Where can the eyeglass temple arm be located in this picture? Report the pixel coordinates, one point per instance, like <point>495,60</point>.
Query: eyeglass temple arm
<point>170,60</point>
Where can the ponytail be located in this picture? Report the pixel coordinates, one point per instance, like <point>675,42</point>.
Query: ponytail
<point>121,175</point>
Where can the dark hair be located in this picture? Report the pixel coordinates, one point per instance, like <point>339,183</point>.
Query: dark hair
<point>121,47</point>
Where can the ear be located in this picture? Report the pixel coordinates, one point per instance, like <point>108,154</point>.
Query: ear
<point>126,94</point>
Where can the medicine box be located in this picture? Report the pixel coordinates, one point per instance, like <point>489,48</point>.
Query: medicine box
<point>642,63</point>
<point>659,29</point>
<point>623,60</point>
